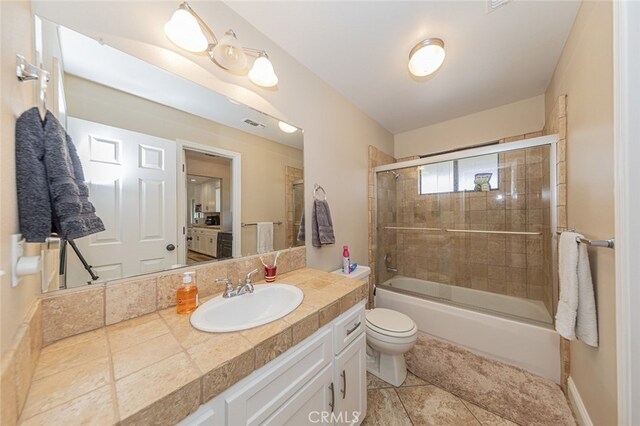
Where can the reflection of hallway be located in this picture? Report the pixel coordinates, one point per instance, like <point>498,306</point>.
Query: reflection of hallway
<point>195,257</point>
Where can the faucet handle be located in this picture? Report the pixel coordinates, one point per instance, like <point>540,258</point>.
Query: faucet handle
<point>225,281</point>
<point>230,291</point>
<point>250,275</point>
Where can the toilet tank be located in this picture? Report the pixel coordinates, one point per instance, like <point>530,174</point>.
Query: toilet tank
<point>360,273</point>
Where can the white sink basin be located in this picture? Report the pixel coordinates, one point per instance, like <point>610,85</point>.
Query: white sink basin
<point>267,303</point>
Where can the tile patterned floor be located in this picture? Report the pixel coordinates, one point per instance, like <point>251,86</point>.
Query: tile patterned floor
<point>417,402</point>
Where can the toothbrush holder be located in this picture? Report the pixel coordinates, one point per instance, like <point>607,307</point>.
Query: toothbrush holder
<point>270,273</point>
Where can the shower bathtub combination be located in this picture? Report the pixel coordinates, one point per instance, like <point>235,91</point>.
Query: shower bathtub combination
<point>466,247</point>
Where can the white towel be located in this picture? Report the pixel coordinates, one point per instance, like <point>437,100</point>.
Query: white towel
<point>264,237</point>
<point>576,316</point>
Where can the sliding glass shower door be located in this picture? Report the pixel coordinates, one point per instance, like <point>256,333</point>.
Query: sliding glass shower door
<point>473,228</point>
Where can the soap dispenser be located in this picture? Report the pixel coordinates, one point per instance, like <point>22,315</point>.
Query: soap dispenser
<point>187,296</point>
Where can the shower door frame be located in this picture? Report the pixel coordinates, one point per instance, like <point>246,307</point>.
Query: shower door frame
<point>550,140</point>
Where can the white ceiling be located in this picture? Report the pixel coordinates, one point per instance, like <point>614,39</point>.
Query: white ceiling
<point>361,48</point>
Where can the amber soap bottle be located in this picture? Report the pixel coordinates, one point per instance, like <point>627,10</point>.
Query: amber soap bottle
<point>187,296</point>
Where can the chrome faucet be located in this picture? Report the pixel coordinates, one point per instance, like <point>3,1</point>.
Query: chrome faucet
<point>230,291</point>
<point>247,287</point>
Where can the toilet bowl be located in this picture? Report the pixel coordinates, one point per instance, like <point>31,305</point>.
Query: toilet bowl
<point>390,335</point>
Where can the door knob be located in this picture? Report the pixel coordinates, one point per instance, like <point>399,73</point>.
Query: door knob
<point>171,247</point>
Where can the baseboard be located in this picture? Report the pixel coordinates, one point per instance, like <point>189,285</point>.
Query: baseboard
<point>582,416</point>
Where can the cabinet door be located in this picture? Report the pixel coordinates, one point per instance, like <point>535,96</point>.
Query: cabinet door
<point>207,196</point>
<point>351,383</point>
<point>278,383</point>
<point>199,241</point>
<point>197,194</point>
<point>310,405</point>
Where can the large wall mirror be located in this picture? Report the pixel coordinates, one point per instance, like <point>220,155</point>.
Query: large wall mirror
<point>178,173</point>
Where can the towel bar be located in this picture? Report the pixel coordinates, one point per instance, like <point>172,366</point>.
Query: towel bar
<point>254,224</point>
<point>593,243</point>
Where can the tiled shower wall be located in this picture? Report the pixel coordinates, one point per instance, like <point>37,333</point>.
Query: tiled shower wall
<point>294,203</point>
<point>507,264</point>
<point>557,124</point>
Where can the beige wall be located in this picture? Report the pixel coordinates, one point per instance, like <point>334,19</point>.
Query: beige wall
<point>517,118</point>
<point>585,74</point>
<point>263,161</point>
<point>336,132</point>
<point>16,98</point>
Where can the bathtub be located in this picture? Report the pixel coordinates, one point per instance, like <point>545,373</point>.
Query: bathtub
<point>490,328</point>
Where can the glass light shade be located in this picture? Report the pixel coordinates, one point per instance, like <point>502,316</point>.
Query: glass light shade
<point>228,54</point>
<point>426,57</point>
<point>286,127</point>
<point>262,73</point>
<point>184,31</point>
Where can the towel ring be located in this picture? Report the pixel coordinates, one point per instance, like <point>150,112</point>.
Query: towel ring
<point>317,188</point>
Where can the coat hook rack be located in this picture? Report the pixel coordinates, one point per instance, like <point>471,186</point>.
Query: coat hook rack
<point>25,71</point>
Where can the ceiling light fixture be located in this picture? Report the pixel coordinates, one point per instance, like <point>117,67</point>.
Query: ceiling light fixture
<point>286,127</point>
<point>426,57</point>
<point>188,31</point>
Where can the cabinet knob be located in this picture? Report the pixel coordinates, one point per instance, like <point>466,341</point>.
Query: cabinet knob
<point>171,247</point>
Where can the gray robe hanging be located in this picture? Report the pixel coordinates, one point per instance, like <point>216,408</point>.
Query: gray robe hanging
<point>52,195</point>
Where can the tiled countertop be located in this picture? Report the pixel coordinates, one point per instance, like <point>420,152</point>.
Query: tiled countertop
<point>157,369</point>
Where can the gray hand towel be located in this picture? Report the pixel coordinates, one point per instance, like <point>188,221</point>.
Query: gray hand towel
<point>321,224</point>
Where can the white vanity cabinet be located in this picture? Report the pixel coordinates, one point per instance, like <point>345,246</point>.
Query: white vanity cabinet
<point>350,380</point>
<point>204,241</point>
<point>316,382</point>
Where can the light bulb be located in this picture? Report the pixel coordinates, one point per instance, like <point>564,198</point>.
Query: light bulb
<point>228,53</point>
<point>426,57</point>
<point>262,72</point>
<point>286,127</point>
<point>184,31</point>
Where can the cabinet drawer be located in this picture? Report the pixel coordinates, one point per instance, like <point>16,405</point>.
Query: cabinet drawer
<point>349,327</point>
<point>260,397</point>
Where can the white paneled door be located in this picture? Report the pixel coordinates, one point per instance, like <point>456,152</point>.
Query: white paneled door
<point>132,184</point>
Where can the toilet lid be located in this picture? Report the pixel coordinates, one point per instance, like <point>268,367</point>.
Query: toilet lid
<point>387,319</point>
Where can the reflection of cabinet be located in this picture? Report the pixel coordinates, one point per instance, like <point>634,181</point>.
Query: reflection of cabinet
<point>203,241</point>
<point>210,196</point>
<point>306,385</point>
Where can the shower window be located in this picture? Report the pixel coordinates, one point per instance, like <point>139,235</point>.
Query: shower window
<point>457,175</point>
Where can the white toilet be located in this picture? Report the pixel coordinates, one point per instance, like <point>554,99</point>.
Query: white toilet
<point>390,334</point>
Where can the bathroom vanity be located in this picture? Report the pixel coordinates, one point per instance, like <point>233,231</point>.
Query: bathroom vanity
<point>158,369</point>
<point>323,380</point>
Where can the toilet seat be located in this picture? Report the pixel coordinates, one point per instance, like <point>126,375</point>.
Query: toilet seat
<point>386,322</point>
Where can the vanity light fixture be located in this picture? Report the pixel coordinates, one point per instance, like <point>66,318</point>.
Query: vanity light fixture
<point>286,127</point>
<point>188,31</point>
<point>426,57</point>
